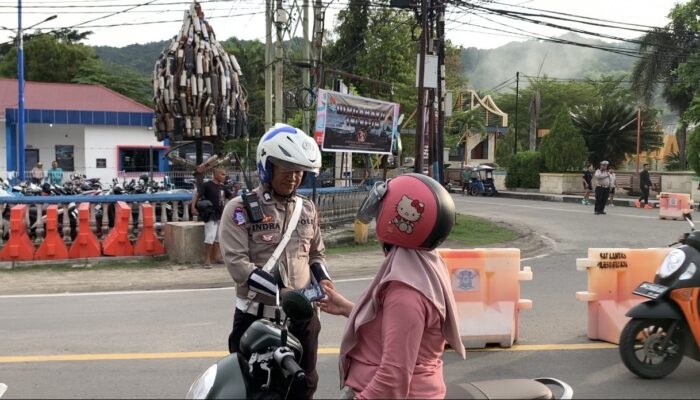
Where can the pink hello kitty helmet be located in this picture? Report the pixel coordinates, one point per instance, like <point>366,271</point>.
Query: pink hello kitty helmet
<point>412,211</point>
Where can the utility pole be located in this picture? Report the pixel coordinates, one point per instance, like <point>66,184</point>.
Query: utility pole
<point>20,93</point>
<point>420,117</point>
<point>441,90</point>
<point>280,21</point>
<point>268,64</point>
<point>639,133</point>
<point>306,57</point>
<point>517,97</point>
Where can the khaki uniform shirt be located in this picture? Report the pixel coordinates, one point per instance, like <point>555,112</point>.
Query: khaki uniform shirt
<point>246,245</point>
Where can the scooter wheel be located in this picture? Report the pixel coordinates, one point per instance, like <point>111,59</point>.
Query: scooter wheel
<point>640,348</point>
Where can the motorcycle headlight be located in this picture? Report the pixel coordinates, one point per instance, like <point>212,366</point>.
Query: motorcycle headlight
<point>689,272</point>
<point>671,263</point>
<point>201,387</point>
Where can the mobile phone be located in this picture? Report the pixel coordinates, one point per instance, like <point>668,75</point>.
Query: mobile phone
<point>313,293</point>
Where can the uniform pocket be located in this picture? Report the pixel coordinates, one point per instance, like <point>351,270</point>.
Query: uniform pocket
<point>270,237</point>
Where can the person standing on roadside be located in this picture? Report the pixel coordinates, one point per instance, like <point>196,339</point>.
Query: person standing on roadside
<point>602,188</point>
<point>274,215</point>
<point>587,179</point>
<point>644,186</point>
<point>613,187</point>
<point>55,174</point>
<point>214,192</point>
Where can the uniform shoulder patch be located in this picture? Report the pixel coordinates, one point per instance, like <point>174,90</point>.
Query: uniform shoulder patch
<point>239,217</point>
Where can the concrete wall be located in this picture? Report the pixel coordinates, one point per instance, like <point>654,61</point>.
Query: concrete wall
<point>46,137</point>
<point>677,182</point>
<point>560,183</point>
<point>103,141</point>
<point>499,179</point>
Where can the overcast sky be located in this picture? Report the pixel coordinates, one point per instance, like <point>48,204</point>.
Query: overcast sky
<point>245,18</point>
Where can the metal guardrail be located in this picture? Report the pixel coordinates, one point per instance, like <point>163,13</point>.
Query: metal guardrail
<point>336,206</point>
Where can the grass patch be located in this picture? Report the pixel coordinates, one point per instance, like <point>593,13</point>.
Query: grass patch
<point>475,231</point>
<point>468,231</point>
<point>372,244</point>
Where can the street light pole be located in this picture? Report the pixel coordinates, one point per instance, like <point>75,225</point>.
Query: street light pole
<point>20,93</point>
<point>20,89</point>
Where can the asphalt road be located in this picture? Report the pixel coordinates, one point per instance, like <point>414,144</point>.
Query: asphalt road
<point>154,344</point>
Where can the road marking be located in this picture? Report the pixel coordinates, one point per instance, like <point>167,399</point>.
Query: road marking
<point>130,292</point>
<point>220,354</point>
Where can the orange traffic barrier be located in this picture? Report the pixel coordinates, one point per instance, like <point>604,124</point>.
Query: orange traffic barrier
<point>147,244</point>
<point>486,286</point>
<point>613,274</point>
<point>19,247</point>
<point>673,205</point>
<point>53,247</point>
<point>85,244</point>
<point>117,241</point>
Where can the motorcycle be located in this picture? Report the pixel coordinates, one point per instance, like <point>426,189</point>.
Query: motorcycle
<point>667,326</point>
<point>266,367</point>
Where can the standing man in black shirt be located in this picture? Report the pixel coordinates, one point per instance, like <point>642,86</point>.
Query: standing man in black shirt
<point>644,186</point>
<point>212,199</point>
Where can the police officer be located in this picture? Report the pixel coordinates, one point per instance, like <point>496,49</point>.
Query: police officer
<point>248,239</point>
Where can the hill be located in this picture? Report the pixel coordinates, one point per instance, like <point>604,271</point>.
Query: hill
<point>488,68</point>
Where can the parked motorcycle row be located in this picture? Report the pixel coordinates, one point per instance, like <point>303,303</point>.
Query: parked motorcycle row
<point>80,185</point>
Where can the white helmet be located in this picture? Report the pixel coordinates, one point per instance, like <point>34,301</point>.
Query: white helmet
<point>289,148</point>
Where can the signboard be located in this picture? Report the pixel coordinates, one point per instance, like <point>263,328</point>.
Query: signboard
<point>430,79</point>
<point>351,123</point>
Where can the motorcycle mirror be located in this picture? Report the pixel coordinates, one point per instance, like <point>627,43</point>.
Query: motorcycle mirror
<point>3,389</point>
<point>689,217</point>
<point>297,306</point>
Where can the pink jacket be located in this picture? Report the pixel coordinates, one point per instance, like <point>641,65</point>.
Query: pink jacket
<point>397,354</point>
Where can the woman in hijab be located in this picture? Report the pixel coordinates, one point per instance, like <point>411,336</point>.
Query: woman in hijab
<point>397,330</point>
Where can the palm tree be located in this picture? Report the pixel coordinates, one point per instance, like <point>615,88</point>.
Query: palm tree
<point>663,50</point>
<point>610,131</point>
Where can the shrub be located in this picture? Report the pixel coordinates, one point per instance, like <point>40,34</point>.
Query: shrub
<point>563,149</point>
<point>524,170</point>
<point>692,150</point>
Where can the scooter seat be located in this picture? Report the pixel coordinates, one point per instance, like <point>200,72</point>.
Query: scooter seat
<point>499,389</point>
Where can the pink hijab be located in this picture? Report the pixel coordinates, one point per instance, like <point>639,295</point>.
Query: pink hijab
<point>422,270</point>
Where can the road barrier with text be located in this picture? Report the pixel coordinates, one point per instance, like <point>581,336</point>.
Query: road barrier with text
<point>613,274</point>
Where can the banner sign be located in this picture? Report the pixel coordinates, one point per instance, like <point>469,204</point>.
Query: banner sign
<point>357,124</point>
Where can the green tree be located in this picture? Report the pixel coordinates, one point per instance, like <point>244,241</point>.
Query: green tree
<point>524,170</point>
<point>505,148</point>
<point>693,150</point>
<point>563,149</point>
<point>353,25</point>
<point>121,79</point>
<point>47,59</point>
<point>610,131</point>
<point>662,51</point>
<point>462,125</point>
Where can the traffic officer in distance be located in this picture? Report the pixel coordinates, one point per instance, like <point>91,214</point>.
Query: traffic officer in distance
<point>252,227</point>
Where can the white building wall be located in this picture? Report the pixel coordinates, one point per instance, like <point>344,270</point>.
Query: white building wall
<point>103,141</point>
<point>46,137</point>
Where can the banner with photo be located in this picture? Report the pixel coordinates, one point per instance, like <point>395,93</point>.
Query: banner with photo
<point>357,124</point>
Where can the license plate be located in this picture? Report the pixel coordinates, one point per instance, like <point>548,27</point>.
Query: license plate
<point>650,290</point>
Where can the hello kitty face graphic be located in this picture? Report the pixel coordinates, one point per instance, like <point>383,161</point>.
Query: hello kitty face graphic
<point>408,213</point>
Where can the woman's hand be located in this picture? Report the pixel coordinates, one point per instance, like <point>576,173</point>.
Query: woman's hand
<point>334,303</point>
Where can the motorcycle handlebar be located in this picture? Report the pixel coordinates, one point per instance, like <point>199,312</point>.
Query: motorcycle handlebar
<point>285,359</point>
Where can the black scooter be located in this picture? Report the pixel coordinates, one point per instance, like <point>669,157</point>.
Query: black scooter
<point>266,367</point>
<point>667,327</point>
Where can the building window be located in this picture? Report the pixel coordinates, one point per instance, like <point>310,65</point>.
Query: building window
<point>139,159</point>
<point>65,157</point>
<point>101,163</point>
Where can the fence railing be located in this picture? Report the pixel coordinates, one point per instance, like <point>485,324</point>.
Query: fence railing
<point>336,206</point>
